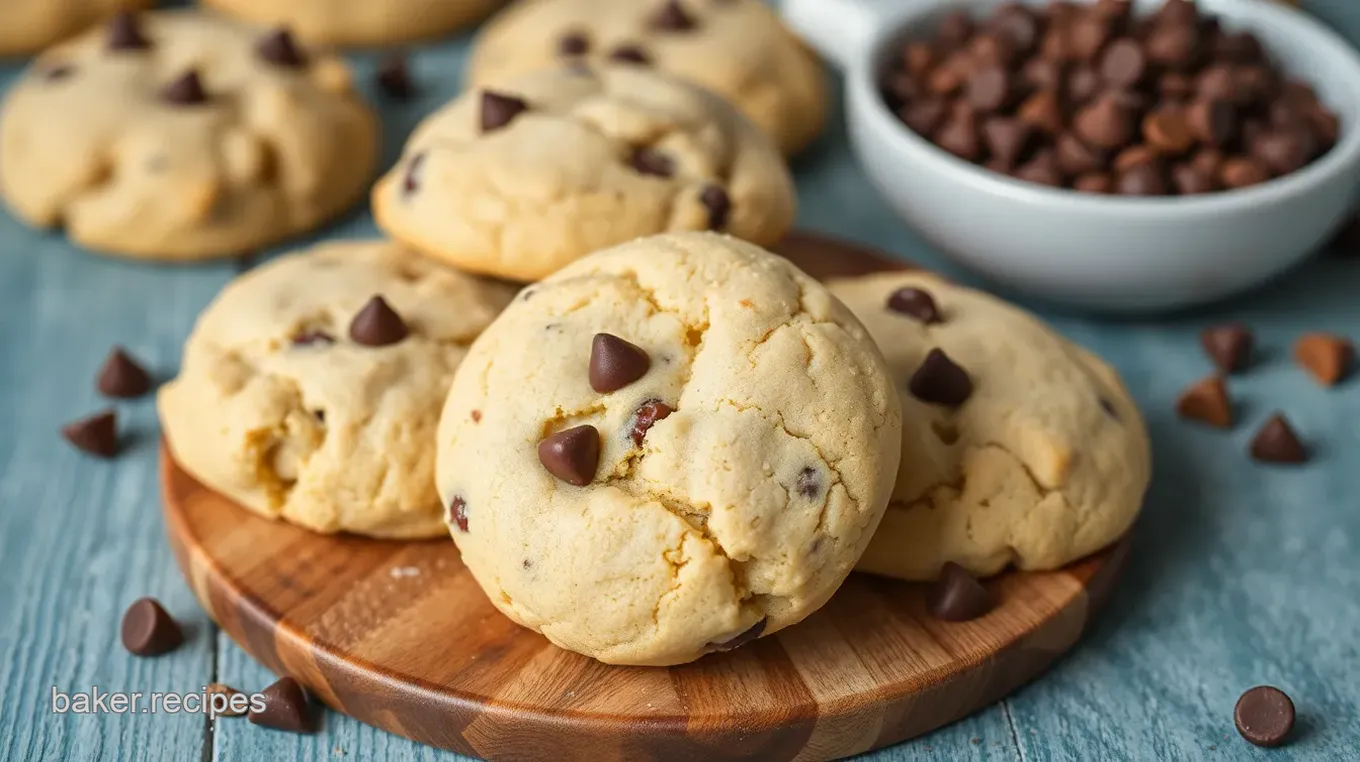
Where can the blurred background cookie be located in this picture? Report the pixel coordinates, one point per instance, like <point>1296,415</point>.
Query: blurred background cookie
<point>360,22</point>
<point>29,25</point>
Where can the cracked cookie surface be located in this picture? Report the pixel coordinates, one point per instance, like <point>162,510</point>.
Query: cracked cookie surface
<point>1046,461</point>
<point>360,22</point>
<point>737,479</point>
<point>286,403</point>
<point>519,182</point>
<point>182,140</point>
<point>30,25</point>
<point>737,48</point>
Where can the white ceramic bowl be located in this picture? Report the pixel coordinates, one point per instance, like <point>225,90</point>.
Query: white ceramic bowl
<point>1106,253</point>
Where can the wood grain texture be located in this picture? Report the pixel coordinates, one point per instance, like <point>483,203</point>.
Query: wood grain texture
<point>400,636</point>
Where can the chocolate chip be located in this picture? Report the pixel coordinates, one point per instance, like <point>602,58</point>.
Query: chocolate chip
<point>1124,63</point>
<point>924,115</point>
<point>1326,356</point>
<point>1229,345</point>
<point>1190,180</point>
<point>991,49</point>
<point>410,182</point>
<point>807,484</point>
<point>96,435</point>
<point>916,302</point>
<point>648,414</point>
<point>1173,46</point>
<point>1134,156</point>
<point>1238,47</point>
<point>186,90</point>
<point>957,597</point>
<point>499,109</point>
<point>1206,401</point>
<point>573,44</point>
<point>1042,169</point>
<point>1168,130</point>
<point>1146,179</point>
<point>1094,182</point>
<point>955,28</point>
<point>1264,716</point>
<point>648,161</point>
<point>718,204</point>
<point>1076,158</point>
<point>740,639</point>
<point>1176,86</point>
<point>1217,82</point>
<point>457,514</point>
<point>959,136</point>
<point>1087,35</point>
<point>1276,442</point>
<point>1016,24</point>
<point>278,47</point>
<point>572,455</point>
<point>989,89</point>
<point>1212,120</point>
<point>308,338</point>
<point>394,77</point>
<point>285,708</point>
<point>940,381</point>
<point>1040,74</point>
<point>631,54</point>
<point>1106,123</point>
<point>1082,85</point>
<point>673,18</point>
<point>148,630</point>
<point>377,325</point>
<point>615,363</point>
<point>228,705</point>
<point>124,32</point>
<point>1283,151</point>
<point>1240,172</point>
<point>917,58</point>
<point>122,377</point>
<point>1007,138</point>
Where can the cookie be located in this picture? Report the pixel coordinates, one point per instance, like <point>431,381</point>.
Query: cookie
<point>30,25</point>
<point>181,136</point>
<point>360,22</point>
<point>693,444</point>
<point>518,182</point>
<point>302,397</point>
<point>1019,447</point>
<point>736,48</point>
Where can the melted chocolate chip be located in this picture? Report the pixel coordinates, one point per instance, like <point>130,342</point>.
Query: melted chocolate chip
<point>315,336</point>
<point>648,414</point>
<point>615,363</point>
<point>940,381</point>
<point>915,302</point>
<point>572,455</point>
<point>499,109</point>
<point>740,639</point>
<point>808,485</point>
<point>651,162</point>
<point>457,514</point>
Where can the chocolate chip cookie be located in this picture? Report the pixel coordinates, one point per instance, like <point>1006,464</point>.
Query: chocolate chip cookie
<point>311,386</point>
<point>28,25</point>
<point>360,22</point>
<point>1018,447</point>
<point>666,449</point>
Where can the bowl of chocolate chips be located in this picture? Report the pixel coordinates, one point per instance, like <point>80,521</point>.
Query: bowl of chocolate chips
<point>1115,155</point>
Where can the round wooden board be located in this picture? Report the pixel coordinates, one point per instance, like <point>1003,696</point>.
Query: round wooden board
<point>399,635</point>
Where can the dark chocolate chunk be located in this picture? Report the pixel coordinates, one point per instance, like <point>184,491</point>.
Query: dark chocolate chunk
<point>122,377</point>
<point>648,414</point>
<point>185,90</point>
<point>648,161</point>
<point>278,47</point>
<point>1229,345</point>
<point>124,32</point>
<point>286,707</point>
<point>1276,442</point>
<point>96,435</point>
<point>615,363</point>
<point>957,596</point>
<point>1264,715</point>
<point>457,513</point>
<point>740,639</point>
<point>940,381</point>
<point>572,455</point>
<point>916,302</point>
<point>718,204</point>
<point>394,77</point>
<point>148,630</point>
<point>499,109</point>
<point>377,324</point>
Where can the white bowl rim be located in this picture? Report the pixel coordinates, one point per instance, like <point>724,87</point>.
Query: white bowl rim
<point>1343,158</point>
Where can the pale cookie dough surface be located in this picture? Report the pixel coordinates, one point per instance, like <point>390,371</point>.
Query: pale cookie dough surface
<point>559,180</point>
<point>87,141</point>
<point>28,25</point>
<point>1032,470</point>
<point>360,22</point>
<point>736,48</point>
<point>278,408</point>
<point>744,508</point>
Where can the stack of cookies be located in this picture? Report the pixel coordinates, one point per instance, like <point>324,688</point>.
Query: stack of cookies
<point>650,438</point>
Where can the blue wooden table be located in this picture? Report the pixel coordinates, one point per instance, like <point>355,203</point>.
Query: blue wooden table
<point>1240,574</point>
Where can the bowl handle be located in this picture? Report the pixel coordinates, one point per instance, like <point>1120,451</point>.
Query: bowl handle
<point>840,30</point>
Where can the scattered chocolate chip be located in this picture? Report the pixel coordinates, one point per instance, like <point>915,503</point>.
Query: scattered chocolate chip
<point>148,630</point>
<point>573,44</point>
<point>1276,442</point>
<point>96,435</point>
<point>648,414</point>
<point>916,302</point>
<point>228,707</point>
<point>308,338</point>
<point>615,363</point>
<point>377,325</point>
<point>572,455</point>
<point>285,708</point>
<point>740,639</point>
<point>499,109</point>
<point>648,161</point>
<point>940,381</point>
<point>1264,715</point>
<point>1206,401</point>
<point>1229,345</point>
<point>124,32</point>
<point>1326,356</point>
<point>457,514</point>
<point>278,47</point>
<point>186,90</point>
<point>631,54</point>
<point>673,18</point>
<point>718,204</point>
<point>394,77</point>
<point>957,596</point>
<point>122,377</point>
<point>808,485</point>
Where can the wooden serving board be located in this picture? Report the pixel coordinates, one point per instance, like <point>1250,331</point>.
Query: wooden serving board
<point>399,635</point>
